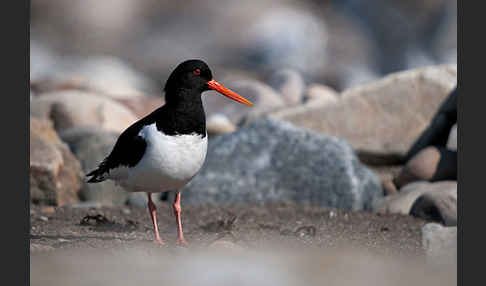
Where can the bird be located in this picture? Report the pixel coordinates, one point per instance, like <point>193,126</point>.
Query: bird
<point>164,150</point>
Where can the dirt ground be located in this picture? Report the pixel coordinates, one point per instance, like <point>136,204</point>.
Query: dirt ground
<point>246,226</point>
<point>238,245</point>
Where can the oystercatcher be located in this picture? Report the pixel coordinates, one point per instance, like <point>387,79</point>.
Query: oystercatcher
<point>164,150</point>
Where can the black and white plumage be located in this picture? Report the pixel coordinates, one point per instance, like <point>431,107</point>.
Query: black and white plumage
<point>164,150</point>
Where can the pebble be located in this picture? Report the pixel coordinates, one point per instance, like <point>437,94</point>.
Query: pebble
<point>48,210</point>
<point>43,218</point>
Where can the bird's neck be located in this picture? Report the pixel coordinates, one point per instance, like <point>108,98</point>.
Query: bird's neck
<point>184,114</point>
<point>184,100</point>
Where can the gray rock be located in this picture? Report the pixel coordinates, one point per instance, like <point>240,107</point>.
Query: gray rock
<point>55,173</point>
<point>290,84</point>
<point>270,161</point>
<point>440,243</point>
<point>91,145</point>
<point>439,207</point>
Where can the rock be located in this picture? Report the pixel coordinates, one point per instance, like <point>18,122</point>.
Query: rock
<point>264,97</point>
<point>440,243</point>
<point>78,108</point>
<point>394,37</point>
<point>350,51</point>
<point>219,124</point>
<point>389,187</point>
<point>421,167</point>
<point>322,93</point>
<point>55,173</point>
<point>48,210</point>
<point>91,145</point>
<point>431,164</point>
<point>101,74</point>
<point>290,84</point>
<point>270,161</point>
<point>452,141</point>
<point>438,131</point>
<point>403,201</point>
<point>382,117</point>
<point>439,207</point>
<point>141,105</point>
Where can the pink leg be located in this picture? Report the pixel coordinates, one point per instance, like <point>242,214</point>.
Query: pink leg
<point>151,207</point>
<point>177,212</point>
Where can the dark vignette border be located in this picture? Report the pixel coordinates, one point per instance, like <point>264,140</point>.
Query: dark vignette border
<point>471,142</point>
<point>15,141</point>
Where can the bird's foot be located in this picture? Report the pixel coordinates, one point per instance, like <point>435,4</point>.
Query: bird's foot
<point>158,241</point>
<point>182,242</point>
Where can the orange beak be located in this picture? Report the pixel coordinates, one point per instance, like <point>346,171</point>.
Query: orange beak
<point>214,85</point>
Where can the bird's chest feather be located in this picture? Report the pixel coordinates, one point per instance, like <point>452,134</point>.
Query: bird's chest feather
<point>170,158</point>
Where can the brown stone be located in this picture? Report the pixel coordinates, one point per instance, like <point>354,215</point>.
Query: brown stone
<point>430,164</point>
<point>72,108</point>
<point>439,207</point>
<point>55,174</point>
<point>385,116</point>
<point>141,105</point>
<point>403,201</point>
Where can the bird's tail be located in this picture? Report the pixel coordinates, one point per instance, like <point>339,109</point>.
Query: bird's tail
<point>97,175</point>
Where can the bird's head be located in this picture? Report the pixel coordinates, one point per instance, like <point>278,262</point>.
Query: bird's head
<point>195,77</point>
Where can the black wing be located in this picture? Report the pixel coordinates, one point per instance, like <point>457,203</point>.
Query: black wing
<point>128,150</point>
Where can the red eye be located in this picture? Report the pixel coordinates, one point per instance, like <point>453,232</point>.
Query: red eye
<point>196,71</point>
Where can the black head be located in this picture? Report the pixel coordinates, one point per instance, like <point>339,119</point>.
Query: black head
<point>190,79</point>
<point>191,75</point>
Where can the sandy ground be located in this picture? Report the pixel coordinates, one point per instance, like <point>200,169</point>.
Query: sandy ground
<point>229,245</point>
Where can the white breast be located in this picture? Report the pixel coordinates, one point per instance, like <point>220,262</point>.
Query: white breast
<point>169,162</point>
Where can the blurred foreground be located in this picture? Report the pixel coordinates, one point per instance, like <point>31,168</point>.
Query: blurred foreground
<point>241,245</point>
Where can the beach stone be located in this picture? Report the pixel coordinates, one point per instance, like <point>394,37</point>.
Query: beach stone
<point>440,243</point>
<point>421,167</point>
<point>403,201</point>
<point>271,161</point>
<point>430,164</point>
<point>439,128</point>
<point>141,105</point>
<point>452,141</point>
<point>321,92</point>
<point>71,108</point>
<point>290,84</point>
<point>91,145</point>
<point>55,173</point>
<point>383,117</point>
<point>264,98</point>
<point>439,207</point>
<point>106,75</point>
<point>219,124</point>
